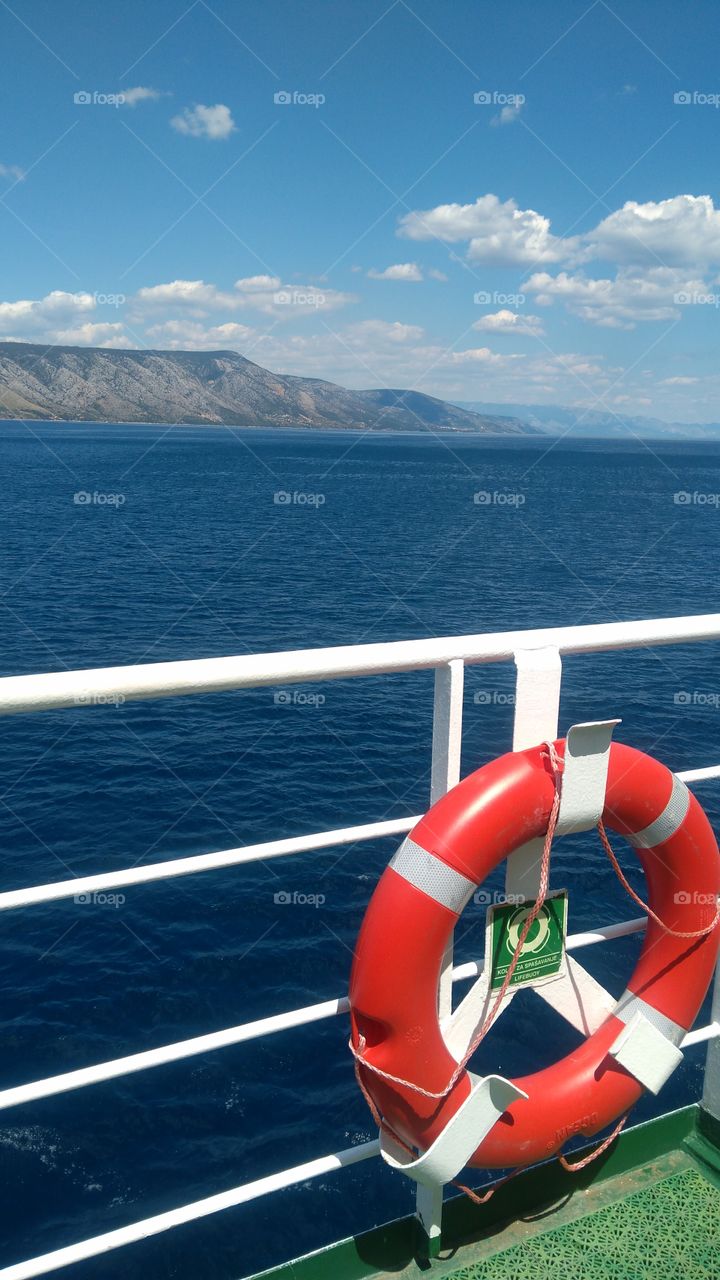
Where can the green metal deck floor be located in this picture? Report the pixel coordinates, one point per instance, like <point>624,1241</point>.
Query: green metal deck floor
<point>647,1209</point>
<point>671,1228</point>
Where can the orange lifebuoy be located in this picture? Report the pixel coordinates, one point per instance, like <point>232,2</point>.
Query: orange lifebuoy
<point>416,905</point>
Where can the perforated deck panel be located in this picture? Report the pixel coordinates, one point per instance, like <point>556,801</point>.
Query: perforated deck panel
<point>668,1230</point>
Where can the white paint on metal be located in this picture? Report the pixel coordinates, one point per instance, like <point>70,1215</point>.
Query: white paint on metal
<point>172,1052</point>
<point>445,774</point>
<point>584,778</point>
<point>537,696</point>
<point>188,1213</point>
<point>711,1085</point>
<point>87,885</point>
<point>643,1050</point>
<point>578,998</point>
<point>462,1025</point>
<point>605,933</point>
<point>699,775</point>
<point>489,1097</point>
<point>211,675</point>
<point>428,1210</point>
<point>157,1057</point>
<point>701,1034</point>
<point>447,728</point>
<point>537,708</point>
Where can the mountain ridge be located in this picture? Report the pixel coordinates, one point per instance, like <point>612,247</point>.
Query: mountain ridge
<point>212,388</point>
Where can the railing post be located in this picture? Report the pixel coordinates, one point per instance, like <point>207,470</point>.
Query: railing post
<point>444,774</point>
<point>711,1086</point>
<point>447,727</point>
<point>537,711</point>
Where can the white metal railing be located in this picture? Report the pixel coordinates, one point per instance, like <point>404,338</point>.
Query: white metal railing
<point>535,704</point>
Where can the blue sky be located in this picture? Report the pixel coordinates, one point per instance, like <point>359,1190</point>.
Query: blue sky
<point>511,203</point>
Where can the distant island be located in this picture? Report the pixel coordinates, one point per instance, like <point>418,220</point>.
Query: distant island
<point>583,423</point>
<point>223,388</point>
<point>211,388</point>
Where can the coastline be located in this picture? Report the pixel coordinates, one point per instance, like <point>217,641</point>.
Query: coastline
<point>632,441</point>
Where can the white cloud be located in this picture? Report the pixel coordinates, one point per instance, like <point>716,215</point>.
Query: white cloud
<point>679,382</point>
<point>498,232</point>
<point>184,335</point>
<point>93,335</point>
<point>12,171</point>
<point>195,294</point>
<point>34,315</point>
<point>681,231</point>
<point>386,331</point>
<point>59,318</point>
<point>479,355</point>
<point>261,293</point>
<point>399,271</point>
<point>252,284</point>
<point>434,274</point>
<point>141,93</point>
<point>508,115</point>
<point>504,322</point>
<point>205,122</point>
<point>632,296</point>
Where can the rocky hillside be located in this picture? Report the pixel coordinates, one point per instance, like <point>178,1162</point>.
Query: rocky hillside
<point>91,384</point>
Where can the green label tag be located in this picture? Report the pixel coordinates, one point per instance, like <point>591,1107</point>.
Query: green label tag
<point>543,953</point>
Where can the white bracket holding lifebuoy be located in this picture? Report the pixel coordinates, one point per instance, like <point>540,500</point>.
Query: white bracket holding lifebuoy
<point>489,1097</point>
<point>646,1052</point>
<point>584,778</point>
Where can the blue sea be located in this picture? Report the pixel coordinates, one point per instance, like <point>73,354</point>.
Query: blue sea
<point>144,544</point>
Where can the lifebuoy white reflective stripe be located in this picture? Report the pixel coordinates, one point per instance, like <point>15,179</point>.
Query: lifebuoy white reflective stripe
<point>432,876</point>
<point>667,823</point>
<point>629,1005</point>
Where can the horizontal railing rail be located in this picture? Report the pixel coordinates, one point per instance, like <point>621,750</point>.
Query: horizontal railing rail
<point>84,886</point>
<point>133,1062</point>
<point>214,675</point>
<point>447,656</point>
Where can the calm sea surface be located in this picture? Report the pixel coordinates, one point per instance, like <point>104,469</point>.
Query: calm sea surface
<point>134,544</point>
